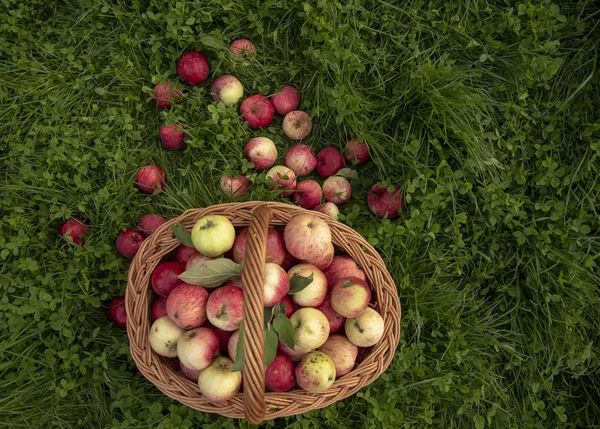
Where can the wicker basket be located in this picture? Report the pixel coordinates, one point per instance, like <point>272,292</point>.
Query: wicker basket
<point>254,403</point>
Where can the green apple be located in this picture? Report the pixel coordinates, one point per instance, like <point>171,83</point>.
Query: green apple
<point>213,235</point>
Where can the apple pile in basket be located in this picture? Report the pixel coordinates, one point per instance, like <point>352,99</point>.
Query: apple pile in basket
<point>317,311</point>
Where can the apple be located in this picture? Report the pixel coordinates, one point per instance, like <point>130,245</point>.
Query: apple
<point>236,283</point>
<point>288,262</point>
<point>343,266</point>
<point>337,189</point>
<point>217,382</point>
<point>165,94</point>
<point>189,373</point>
<point>311,327</point>
<point>342,352</point>
<point>150,223</point>
<point>277,284</point>
<point>224,307</point>
<point>232,344</point>
<point>316,372</point>
<point>159,309</point>
<point>223,336</point>
<point>197,347</point>
<point>129,242</point>
<point>257,111</point>
<point>321,260</point>
<point>116,311</point>
<point>150,178</point>
<point>166,276</point>
<point>329,209</point>
<point>164,335</point>
<point>288,304</point>
<point>384,203</point>
<point>228,89</point>
<point>297,125</point>
<point>172,136</point>
<point>197,260</point>
<point>286,100</point>
<point>350,296</point>
<point>261,151</point>
<point>186,305</point>
<point>307,236</point>
<point>275,249</point>
<point>280,375</point>
<point>294,354</point>
<point>193,67</point>
<point>234,187</point>
<point>283,178</point>
<point>366,330</point>
<point>329,161</point>
<point>307,194</point>
<point>356,152</point>
<point>314,294</point>
<point>183,254</point>
<point>243,48</point>
<point>213,235</point>
<point>301,159</point>
<point>335,320</point>
<point>75,229</point>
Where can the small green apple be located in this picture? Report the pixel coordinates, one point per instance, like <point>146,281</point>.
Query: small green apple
<point>213,235</point>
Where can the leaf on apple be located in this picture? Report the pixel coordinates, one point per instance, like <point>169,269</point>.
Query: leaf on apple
<point>270,345</point>
<point>182,235</point>
<point>239,352</point>
<point>279,308</point>
<point>271,312</point>
<point>298,283</point>
<point>348,173</point>
<point>283,326</point>
<point>213,274</point>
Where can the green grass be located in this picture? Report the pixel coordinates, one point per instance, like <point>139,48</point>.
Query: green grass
<point>486,112</point>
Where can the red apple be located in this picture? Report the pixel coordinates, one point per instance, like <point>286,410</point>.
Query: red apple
<point>342,352</point>
<point>350,297</point>
<point>223,335</point>
<point>337,189</point>
<point>335,320</point>
<point>384,203</point>
<point>234,187</point>
<point>288,262</point>
<point>232,345</point>
<point>307,194</point>
<point>314,294</point>
<point>277,284</point>
<point>165,94</point>
<point>150,178</point>
<point>166,276</point>
<point>307,237</point>
<point>286,100</point>
<point>329,161</point>
<point>224,307</point>
<point>150,223</point>
<point>159,309</point>
<point>279,375</point>
<point>116,311</point>
<point>227,88</point>
<point>184,254</point>
<point>197,347</point>
<point>193,67</point>
<point>322,260</point>
<point>257,111</point>
<point>186,305</point>
<point>329,209</point>
<point>283,179</point>
<point>75,229</point>
<point>288,304</point>
<point>243,48</point>
<point>343,266</point>
<point>275,247</point>
<point>262,152</point>
<point>301,159</point>
<point>189,373</point>
<point>172,136</point>
<point>129,242</point>
<point>236,283</point>
<point>297,125</point>
<point>356,152</point>
<point>197,260</point>
<point>294,354</point>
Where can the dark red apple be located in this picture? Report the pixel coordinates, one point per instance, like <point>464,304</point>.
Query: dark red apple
<point>184,253</point>
<point>129,242</point>
<point>289,261</point>
<point>384,203</point>
<point>335,320</point>
<point>75,229</point>
<point>159,309</point>
<point>116,311</point>
<point>257,111</point>
<point>289,305</point>
<point>280,375</point>
<point>150,223</point>
<point>356,152</point>
<point>172,136</point>
<point>150,178</point>
<point>193,67</point>
<point>307,194</point>
<point>329,161</point>
<point>166,277</point>
<point>223,335</point>
<point>165,94</point>
<point>286,100</point>
<point>275,247</point>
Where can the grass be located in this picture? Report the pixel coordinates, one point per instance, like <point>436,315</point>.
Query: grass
<point>485,112</point>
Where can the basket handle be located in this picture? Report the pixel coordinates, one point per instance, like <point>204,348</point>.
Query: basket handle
<point>254,342</point>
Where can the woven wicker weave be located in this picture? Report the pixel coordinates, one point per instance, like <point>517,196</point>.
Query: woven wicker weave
<point>254,403</point>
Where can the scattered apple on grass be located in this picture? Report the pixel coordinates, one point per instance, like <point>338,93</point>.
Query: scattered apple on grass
<point>366,330</point>
<point>197,347</point>
<point>228,89</point>
<point>307,194</point>
<point>384,203</point>
<point>275,249</point>
<point>193,67</point>
<point>116,311</point>
<point>217,382</point>
<point>234,187</point>
<point>329,209</point>
<point>159,309</point>
<point>301,159</point>
<point>150,223</point>
<point>224,307</point>
<point>335,320</point>
<point>283,179</point>
<point>243,48</point>
<point>314,294</point>
<point>129,242</point>
<point>166,276</point>
<point>356,152</point>
<point>165,94</point>
<point>297,125</point>
<point>186,305</point>
<point>337,189</point>
<point>277,284</point>
<point>316,372</point>
<point>329,162</point>
<point>311,327</point>
<point>342,352</point>
<point>262,152</point>
<point>75,229</point>
<point>164,335</point>
<point>150,178</point>
<point>213,235</point>
<point>286,100</point>
<point>350,297</point>
<point>172,136</point>
<point>343,266</point>
<point>280,374</point>
<point>257,111</point>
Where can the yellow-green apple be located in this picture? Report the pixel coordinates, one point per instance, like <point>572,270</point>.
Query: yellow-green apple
<point>336,321</point>
<point>234,187</point>
<point>197,260</point>
<point>343,266</point>
<point>294,354</point>
<point>184,253</point>
<point>186,305</point>
<point>166,276</point>
<point>172,136</point>
<point>366,330</point>
<point>159,308</point>
<point>342,352</point>
<point>275,251</point>
<point>257,111</point>
<point>193,67</point>
<point>314,294</point>
<point>280,375</point>
<point>197,347</point>
<point>213,235</point>
<point>311,327</point>
<point>329,209</point>
<point>316,372</point>
<point>227,88</point>
<point>129,242</point>
<point>243,48</point>
<point>350,296</point>
<point>296,125</point>
<point>232,344</point>
<point>337,189</point>
<point>217,382</point>
<point>286,100</point>
<point>165,94</point>
<point>307,236</point>
<point>164,335</point>
<point>323,260</point>
<point>329,161</point>
<point>75,229</point>
<point>384,203</point>
<point>277,284</point>
<point>283,179</point>
<point>189,373</point>
<point>150,178</point>
<point>301,159</point>
<point>356,152</point>
<point>224,307</point>
<point>307,194</point>
<point>261,151</point>
<point>150,223</point>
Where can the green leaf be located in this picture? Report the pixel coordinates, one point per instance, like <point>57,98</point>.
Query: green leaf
<point>270,345</point>
<point>479,421</point>
<point>348,173</point>
<point>268,313</point>
<point>298,283</point>
<point>211,41</point>
<point>284,328</point>
<point>279,308</point>
<point>182,235</point>
<point>213,274</point>
<point>239,352</point>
